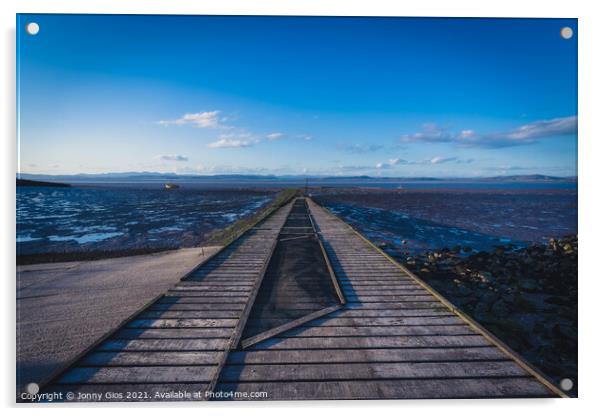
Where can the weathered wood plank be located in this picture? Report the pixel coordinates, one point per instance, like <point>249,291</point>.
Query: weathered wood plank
<point>393,389</point>
<point>387,321</point>
<point>354,331</point>
<point>374,342</point>
<point>105,359</point>
<point>188,314</point>
<point>347,355</point>
<point>194,307</point>
<point>165,333</point>
<point>163,345</point>
<point>369,371</point>
<point>182,323</point>
<point>126,375</point>
<point>399,313</point>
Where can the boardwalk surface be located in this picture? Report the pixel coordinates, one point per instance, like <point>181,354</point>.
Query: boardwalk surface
<point>392,339</point>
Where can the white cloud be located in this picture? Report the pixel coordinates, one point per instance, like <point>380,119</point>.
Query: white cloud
<point>230,143</point>
<point>240,138</point>
<point>274,136</point>
<point>465,134</point>
<point>545,128</point>
<point>437,160</point>
<point>430,133</point>
<point>203,119</point>
<point>173,158</point>
<point>234,136</point>
<point>525,134</point>
<point>391,162</point>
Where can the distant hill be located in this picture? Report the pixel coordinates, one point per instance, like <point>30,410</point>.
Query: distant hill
<point>27,182</point>
<point>526,178</point>
<point>173,177</point>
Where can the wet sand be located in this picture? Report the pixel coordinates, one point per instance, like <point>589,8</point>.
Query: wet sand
<point>63,308</point>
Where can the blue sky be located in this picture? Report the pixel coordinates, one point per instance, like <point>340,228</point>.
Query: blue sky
<point>291,95</point>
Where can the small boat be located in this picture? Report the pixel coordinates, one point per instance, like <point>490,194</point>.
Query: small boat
<point>170,186</point>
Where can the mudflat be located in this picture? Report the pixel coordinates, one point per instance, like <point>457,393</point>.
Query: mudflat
<point>63,308</point>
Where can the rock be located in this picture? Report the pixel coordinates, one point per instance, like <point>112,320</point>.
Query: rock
<point>464,291</point>
<point>565,331</point>
<point>500,308</point>
<point>485,277</point>
<point>455,249</point>
<point>528,285</point>
<point>555,300</point>
<point>524,304</point>
<point>425,270</point>
<point>467,249</point>
<point>459,270</point>
<point>489,297</point>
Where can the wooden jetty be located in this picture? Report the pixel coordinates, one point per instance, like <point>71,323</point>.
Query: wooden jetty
<point>392,337</point>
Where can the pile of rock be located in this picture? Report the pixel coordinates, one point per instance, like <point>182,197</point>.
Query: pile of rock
<point>525,296</point>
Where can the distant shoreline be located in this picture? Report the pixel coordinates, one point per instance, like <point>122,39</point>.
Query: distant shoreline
<point>29,182</point>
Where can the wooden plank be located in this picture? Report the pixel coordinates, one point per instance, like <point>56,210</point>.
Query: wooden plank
<point>398,313</point>
<point>369,371</point>
<point>199,302</point>
<point>394,299</point>
<point>389,321</point>
<point>348,355</point>
<point>225,290</point>
<point>194,307</point>
<point>246,343</point>
<point>163,345</point>
<point>165,333</point>
<point>105,359</point>
<point>182,323</point>
<point>147,374</point>
<point>188,314</point>
<point>210,297</point>
<point>354,331</point>
<point>385,292</point>
<point>392,389</point>
<point>393,305</point>
<point>379,342</point>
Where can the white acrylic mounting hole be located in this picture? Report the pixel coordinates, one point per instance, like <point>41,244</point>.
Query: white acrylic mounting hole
<point>32,388</point>
<point>566,384</point>
<point>566,32</point>
<point>32,28</point>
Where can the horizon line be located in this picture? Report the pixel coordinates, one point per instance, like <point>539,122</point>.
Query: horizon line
<point>297,175</point>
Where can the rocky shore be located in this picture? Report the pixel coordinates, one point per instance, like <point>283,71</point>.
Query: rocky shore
<point>525,296</point>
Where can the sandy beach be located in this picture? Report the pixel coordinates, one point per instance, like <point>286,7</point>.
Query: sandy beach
<point>63,308</point>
